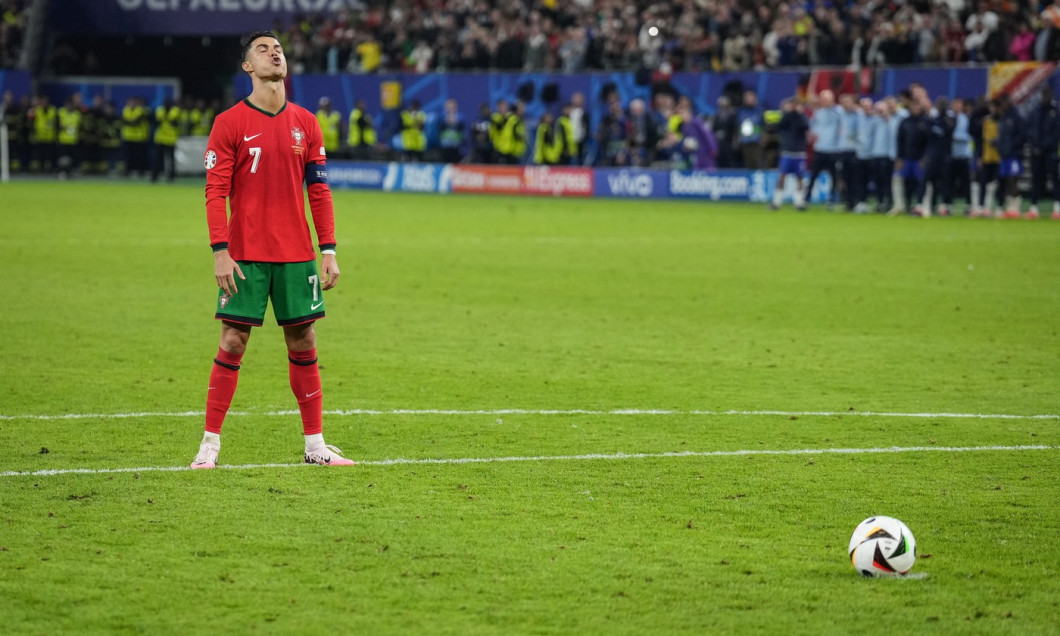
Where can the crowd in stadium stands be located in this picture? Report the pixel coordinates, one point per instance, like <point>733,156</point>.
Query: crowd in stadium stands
<point>12,31</point>
<point>688,35</point>
<point>75,138</point>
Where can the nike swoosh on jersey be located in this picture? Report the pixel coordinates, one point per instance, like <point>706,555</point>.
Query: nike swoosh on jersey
<point>245,138</point>
<point>316,306</point>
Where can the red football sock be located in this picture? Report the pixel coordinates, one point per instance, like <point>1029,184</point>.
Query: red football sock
<point>305,382</point>
<point>223,380</point>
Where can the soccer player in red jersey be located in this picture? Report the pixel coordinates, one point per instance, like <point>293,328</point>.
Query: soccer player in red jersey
<point>259,154</point>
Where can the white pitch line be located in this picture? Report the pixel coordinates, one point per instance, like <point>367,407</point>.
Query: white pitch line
<point>632,412</point>
<point>552,458</point>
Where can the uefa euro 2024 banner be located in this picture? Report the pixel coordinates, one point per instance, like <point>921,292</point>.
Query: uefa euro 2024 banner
<point>181,17</point>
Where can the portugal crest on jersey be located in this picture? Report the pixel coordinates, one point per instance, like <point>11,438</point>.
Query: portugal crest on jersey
<point>298,136</point>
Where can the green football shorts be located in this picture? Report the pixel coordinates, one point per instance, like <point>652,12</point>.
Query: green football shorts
<point>293,287</point>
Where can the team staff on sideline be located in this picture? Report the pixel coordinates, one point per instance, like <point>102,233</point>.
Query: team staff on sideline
<point>825,128</point>
<point>1044,127</point>
<point>863,175</point>
<point>880,148</point>
<point>1011,140</point>
<point>959,171</point>
<point>259,154</point>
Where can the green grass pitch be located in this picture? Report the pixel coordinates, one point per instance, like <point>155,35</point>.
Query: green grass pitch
<point>630,368</point>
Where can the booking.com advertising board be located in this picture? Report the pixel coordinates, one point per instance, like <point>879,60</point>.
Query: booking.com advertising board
<point>627,183</point>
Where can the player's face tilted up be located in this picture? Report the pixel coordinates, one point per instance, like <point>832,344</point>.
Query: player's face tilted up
<point>265,60</point>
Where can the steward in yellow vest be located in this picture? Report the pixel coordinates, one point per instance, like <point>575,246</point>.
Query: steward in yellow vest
<point>361,135</point>
<point>200,119</point>
<point>330,124</point>
<point>45,123</point>
<point>548,146</point>
<point>565,132</point>
<point>70,147</point>
<point>413,137</point>
<point>513,136</point>
<point>167,129</point>
<point>497,119</point>
<point>135,130</point>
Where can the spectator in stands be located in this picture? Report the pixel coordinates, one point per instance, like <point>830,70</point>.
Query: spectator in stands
<point>12,31</point>
<point>1021,48</point>
<point>688,36</point>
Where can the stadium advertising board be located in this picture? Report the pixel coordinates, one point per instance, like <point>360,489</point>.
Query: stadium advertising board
<point>717,185</point>
<point>181,17</point>
<point>486,179</point>
<point>558,181</point>
<point>728,185</point>
<point>362,176</point>
<point>636,184</point>
<point>414,177</point>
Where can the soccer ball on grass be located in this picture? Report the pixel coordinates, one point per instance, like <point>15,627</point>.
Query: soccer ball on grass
<point>882,546</point>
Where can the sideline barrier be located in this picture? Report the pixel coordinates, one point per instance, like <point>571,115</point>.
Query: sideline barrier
<point>563,181</point>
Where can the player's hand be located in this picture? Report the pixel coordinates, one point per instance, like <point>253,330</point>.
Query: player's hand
<point>329,267</point>
<point>225,270</point>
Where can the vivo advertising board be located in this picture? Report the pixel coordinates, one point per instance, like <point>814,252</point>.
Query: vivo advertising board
<point>632,183</point>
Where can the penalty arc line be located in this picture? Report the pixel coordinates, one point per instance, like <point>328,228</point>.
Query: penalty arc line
<point>548,458</point>
<point>558,412</point>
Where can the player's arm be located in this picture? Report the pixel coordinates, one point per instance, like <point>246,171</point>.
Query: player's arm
<point>220,164</point>
<point>321,206</point>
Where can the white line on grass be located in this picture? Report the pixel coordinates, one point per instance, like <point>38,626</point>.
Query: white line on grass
<point>643,412</point>
<point>548,458</point>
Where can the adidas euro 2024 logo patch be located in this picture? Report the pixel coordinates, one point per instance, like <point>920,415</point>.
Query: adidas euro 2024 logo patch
<point>210,160</point>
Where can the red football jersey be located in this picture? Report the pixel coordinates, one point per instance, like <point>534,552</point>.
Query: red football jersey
<point>259,162</point>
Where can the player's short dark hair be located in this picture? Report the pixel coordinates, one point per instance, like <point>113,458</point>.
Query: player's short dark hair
<point>248,40</point>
